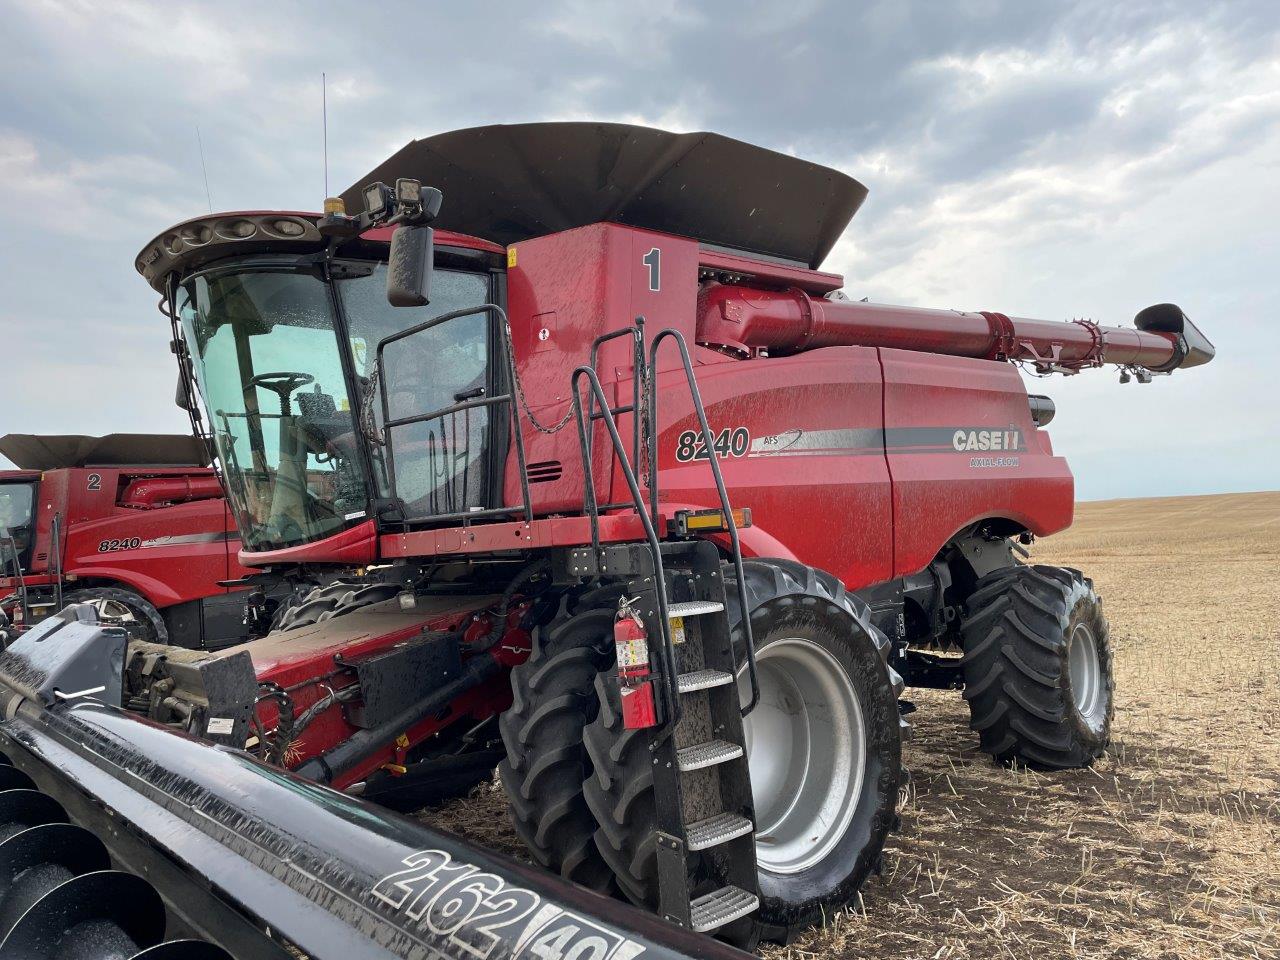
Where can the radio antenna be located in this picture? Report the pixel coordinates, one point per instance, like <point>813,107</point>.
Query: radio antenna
<point>324,118</point>
<point>204,169</point>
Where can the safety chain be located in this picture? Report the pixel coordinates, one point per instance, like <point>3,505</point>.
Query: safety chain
<point>519,388</point>
<point>646,424</point>
<point>369,425</point>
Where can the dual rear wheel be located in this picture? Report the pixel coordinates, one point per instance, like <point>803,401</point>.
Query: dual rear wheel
<point>824,750</point>
<point>824,743</point>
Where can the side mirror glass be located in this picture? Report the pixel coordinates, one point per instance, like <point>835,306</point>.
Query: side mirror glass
<point>180,395</point>
<point>409,267</point>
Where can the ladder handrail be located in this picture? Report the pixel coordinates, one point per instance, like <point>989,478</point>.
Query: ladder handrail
<point>670,680</point>
<point>714,460</point>
<point>55,556</point>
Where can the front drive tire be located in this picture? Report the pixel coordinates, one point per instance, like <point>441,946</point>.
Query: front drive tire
<point>545,764</point>
<point>819,656</point>
<point>1038,667</point>
<point>329,601</point>
<point>117,606</point>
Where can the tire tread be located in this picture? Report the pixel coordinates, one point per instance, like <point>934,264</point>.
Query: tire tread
<point>1016,669</point>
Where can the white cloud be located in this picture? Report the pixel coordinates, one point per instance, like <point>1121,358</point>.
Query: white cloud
<point>80,197</point>
<point>215,48</point>
<point>1056,190</point>
<point>1041,159</point>
<point>621,27</point>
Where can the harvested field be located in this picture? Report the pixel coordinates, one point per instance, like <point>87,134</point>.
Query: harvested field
<point>1169,847</point>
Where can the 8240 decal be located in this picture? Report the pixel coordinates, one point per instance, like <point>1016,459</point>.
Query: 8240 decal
<point>730,442</point>
<point>127,543</point>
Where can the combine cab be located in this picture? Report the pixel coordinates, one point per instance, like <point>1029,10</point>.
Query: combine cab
<point>567,453</point>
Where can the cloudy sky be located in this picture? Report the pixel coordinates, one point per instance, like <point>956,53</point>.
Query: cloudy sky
<point>1041,159</point>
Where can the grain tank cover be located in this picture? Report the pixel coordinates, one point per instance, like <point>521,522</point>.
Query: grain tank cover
<point>32,452</point>
<point>507,183</point>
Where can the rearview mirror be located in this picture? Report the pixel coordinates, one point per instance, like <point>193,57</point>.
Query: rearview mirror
<point>180,396</point>
<point>409,267</point>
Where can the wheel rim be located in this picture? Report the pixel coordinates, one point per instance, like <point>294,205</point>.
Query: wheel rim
<point>1088,687</point>
<point>806,746</point>
<point>117,613</point>
<point>113,611</point>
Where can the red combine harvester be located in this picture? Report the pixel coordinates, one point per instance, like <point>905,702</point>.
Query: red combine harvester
<point>133,524</point>
<point>577,449</point>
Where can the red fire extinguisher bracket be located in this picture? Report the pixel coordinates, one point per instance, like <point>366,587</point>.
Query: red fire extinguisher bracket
<point>631,645</point>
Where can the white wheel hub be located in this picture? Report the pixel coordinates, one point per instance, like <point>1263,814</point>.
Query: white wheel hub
<point>807,747</point>
<point>112,611</point>
<point>1088,680</point>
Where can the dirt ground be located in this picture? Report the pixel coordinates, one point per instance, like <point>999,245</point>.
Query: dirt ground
<point>1169,847</point>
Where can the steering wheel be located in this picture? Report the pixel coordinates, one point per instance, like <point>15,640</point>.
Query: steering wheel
<point>281,384</point>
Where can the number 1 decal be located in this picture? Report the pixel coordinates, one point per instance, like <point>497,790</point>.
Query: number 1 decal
<point>653,260</point>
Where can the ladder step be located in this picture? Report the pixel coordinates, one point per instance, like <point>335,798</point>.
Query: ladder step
<point>693,608</point>
<point>714,910</point>
<point>707,754</point>
<point>716,830</point>
<point>703,680</point>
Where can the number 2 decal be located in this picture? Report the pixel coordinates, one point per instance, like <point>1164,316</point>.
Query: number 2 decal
<point>95,481</point>
<point>653,260</point>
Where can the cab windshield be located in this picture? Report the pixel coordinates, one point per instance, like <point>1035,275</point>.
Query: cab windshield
<point>17,509</point>
<point>289,386</point>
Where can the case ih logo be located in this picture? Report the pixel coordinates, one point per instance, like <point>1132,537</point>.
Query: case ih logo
<point>978,439</point>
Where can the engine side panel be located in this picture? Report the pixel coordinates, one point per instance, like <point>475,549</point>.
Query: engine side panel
<point>171,554</point>
<point>800,443</point>
<point>961,446</point>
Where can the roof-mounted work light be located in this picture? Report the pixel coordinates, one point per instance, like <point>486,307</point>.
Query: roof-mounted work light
<point>377,200</point>
<point>408,191</point>
<point>407,203</point>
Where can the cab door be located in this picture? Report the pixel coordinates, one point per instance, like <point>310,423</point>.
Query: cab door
<point>436,384</point>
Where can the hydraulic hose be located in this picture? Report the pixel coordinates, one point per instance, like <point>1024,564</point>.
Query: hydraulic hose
<point>518,582</point>
<point>327,766</point>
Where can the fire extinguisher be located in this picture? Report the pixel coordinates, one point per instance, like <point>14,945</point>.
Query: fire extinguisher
<point>631,642</point>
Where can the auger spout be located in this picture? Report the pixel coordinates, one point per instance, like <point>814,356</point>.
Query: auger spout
<point>791,321</point>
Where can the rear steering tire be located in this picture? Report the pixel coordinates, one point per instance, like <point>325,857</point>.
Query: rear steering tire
<point>824,751</point>
<point>1038,667</point>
